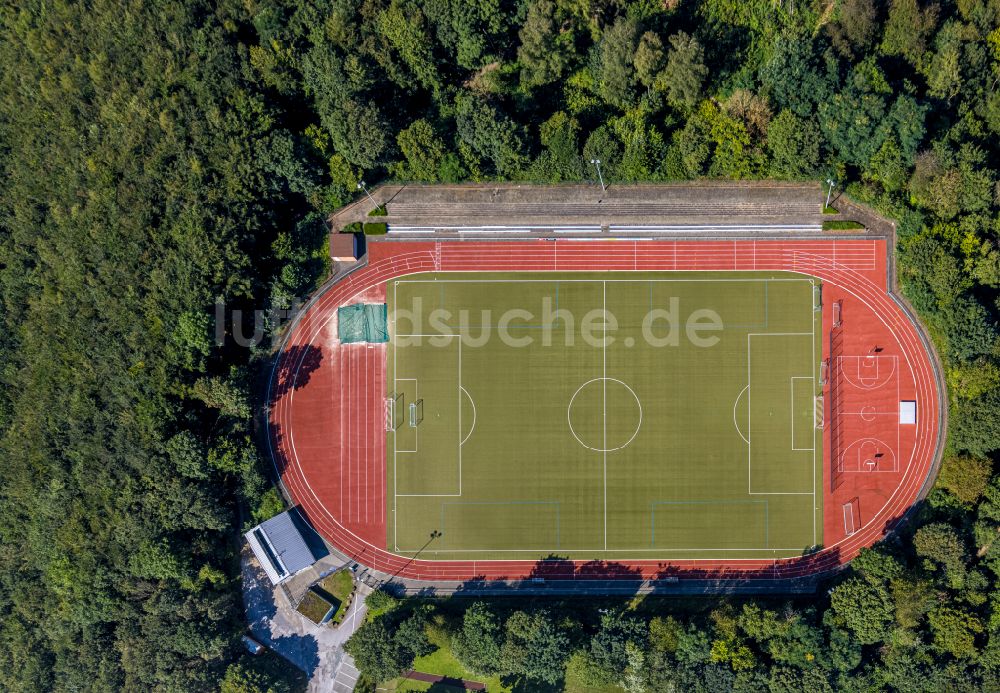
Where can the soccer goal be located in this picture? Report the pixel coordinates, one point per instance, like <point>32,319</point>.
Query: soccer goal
<point>393,411</point>
<point>852,519</point>
<point>416,413</point>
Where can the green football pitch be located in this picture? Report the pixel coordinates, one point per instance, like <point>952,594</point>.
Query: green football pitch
<point>604,415</point>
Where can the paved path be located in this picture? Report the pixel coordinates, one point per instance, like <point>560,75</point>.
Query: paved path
<point>347,676</point>
<point>316,650</point>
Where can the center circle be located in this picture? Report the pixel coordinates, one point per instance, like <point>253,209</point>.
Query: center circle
<point>604,415</point>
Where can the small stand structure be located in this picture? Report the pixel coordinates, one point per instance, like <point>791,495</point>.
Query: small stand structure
<point>285,545</point>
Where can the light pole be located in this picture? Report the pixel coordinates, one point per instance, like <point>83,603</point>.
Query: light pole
<point>434,535</point>
<point>597,164</point>
<point>830,191</point>
<point>361,186</point>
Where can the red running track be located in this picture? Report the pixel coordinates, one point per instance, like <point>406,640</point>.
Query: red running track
<point>328,439</point>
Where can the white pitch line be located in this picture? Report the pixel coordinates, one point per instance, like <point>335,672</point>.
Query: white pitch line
<point>735,405</point>
<point>815,365</point>
<point>460,441</point>
<point>474,416</point>
<point>604,382</point>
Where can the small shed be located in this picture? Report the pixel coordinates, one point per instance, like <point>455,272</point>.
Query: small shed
<point>285,545</point>
<point>346,247</point>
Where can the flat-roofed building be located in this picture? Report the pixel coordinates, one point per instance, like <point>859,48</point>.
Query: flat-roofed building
<point>283,545</point>
<point>346,247</point>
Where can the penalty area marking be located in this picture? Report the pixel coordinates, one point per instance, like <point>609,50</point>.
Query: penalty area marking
<point>473,403</point>
<point>736,404</point>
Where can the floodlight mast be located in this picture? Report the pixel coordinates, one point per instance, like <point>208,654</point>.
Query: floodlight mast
<point>597,164</point>
<point>361,186</point>
<point>829,192</point>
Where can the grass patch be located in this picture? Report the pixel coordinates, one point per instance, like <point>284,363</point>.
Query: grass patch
<point>375,228</point>
<point>314,606</point>
<point>353,227</point>
<point>830,210</point>
<point>378,212</point>
<point>340,586</point>
<point>842,226</point>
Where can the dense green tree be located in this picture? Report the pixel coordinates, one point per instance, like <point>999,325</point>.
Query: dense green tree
<point>685,71</point>
<point>940,545</point>
<point>692,147</point>
<point>970,328</point>
<point>411,637</point>
<point>877,566</point>
<point>856,27</point>
<point>376,652</point>
<point>907,29</point>
<point>561,160</point>
<point>490,135</point>
<point>857,123</point>
<point>650,59</point>
<point>794,77</point>
<point>468,29</point>
<point>642,147</point>
<point>789,637</point>
<point>965,476</point>
<point>609,647</point>
<point>358,131</point>
<point>534,647</point>
<point>794,145</point>
<point>616,72</point>
<point>381,601</point>
<point>944,68</point>
<point>976,428</point>
<point>955,631</point>
<point>545,51</point>
<point>423,150</point>
<point>889,167</point>
<point>403,27</point>
<point>477,645</point>
<point>863,607</point>
<point>262,674</point>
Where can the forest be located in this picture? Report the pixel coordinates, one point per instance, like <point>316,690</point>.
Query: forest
<point>158,158</point>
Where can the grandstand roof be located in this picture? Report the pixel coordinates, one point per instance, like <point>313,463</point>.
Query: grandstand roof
<point>280,545</point>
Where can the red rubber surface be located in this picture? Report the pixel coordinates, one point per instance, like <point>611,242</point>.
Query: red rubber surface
<point>327,428</point>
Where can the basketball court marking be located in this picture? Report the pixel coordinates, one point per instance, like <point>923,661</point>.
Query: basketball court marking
<point>877,377</point>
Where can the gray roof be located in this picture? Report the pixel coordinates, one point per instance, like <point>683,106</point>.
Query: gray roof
<point>284,534</point>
